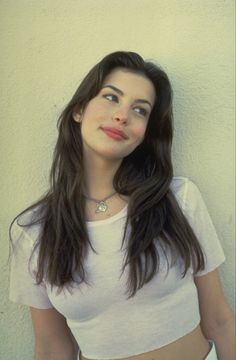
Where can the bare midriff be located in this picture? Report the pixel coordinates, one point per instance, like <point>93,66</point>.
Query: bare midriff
<point>192,346</point>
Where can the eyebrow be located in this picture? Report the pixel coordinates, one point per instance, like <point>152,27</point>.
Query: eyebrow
<point>121,93</point>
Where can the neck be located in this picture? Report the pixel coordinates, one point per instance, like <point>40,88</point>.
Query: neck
<point>99,177</point>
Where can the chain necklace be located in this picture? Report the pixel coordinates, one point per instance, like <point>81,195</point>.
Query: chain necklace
<point>101,205</point>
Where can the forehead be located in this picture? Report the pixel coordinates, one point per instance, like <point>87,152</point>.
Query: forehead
<point>131,83</point>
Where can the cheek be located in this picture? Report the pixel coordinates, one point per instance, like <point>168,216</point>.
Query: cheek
<point>139,132</point>
<point>94,109</point>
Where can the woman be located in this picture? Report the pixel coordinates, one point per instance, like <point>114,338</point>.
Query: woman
<point>119,259</point>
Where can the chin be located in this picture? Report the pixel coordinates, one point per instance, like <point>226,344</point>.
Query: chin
<point>109,152</point>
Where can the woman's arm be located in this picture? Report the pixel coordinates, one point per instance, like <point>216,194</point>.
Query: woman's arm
<point>217,319</point>
<point>53,338</point>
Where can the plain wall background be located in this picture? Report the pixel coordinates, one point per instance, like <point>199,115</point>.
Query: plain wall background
<point>48,46</point>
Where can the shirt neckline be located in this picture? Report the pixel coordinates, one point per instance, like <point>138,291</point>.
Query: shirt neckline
<point>109,220</point>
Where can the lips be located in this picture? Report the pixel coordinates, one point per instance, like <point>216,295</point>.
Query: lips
<point>115,133</point>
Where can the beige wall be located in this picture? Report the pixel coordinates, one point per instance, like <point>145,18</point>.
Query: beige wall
<point>47,47</point>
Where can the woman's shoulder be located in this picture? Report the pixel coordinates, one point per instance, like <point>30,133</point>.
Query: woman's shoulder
<point>26,226</point>
<point>179,185</point>
<point>185,190</point>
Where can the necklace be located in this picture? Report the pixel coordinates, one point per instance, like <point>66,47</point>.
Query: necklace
<point>101,205</point>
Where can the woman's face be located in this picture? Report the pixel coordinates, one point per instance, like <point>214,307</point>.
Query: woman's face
<point>113,123</point>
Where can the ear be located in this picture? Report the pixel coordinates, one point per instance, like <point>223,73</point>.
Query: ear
<point>76,116</point>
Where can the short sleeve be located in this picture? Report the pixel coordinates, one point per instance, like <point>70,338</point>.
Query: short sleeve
<point>198,217</point>
<point>23,288</point>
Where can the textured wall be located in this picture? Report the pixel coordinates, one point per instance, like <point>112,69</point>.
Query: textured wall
<point>47,47</point>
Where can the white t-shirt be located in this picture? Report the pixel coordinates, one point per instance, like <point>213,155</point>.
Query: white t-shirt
<point>105,324</point>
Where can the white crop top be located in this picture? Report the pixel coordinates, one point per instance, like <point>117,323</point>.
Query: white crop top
<point>105,324</point>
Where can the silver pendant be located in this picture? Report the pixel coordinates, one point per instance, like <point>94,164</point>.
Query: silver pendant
<point>101,207</point>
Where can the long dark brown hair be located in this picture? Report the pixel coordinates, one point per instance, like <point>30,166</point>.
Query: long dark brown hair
<point>144,175</point>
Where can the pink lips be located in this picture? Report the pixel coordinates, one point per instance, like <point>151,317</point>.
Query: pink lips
<point>114,133</point>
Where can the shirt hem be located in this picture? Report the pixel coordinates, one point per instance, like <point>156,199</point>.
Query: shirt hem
<point>143,351</point>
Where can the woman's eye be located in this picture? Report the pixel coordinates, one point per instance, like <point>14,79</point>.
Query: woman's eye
<point>111,97</point>
<point>141,111</point>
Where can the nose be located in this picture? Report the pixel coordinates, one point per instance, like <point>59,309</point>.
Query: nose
<point>121,116</point>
